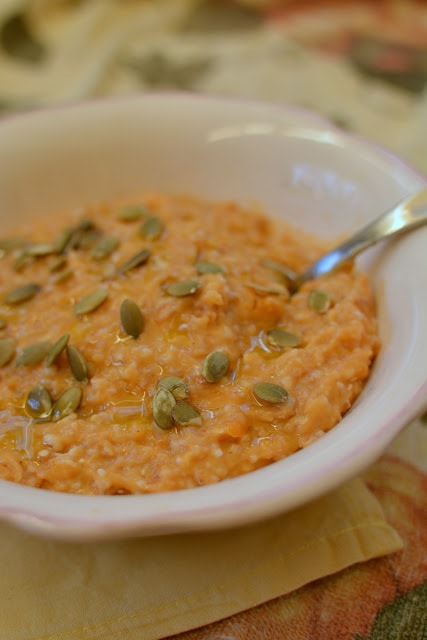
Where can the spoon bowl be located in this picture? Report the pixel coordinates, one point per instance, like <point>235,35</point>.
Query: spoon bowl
<point>410,213</point>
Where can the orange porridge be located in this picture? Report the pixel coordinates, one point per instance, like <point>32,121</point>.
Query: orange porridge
<point>154,346</point>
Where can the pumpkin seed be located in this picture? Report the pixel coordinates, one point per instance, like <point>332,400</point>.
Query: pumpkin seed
<point>33,354</point>
<point>90,302</point>
<point>68,402</point>
<point>104,247</point>
<point>40,249</point>
<point>136,260</point>
<point>7,350</point>
<point>57,349</point>
<point>61,242</point>
<point>62,276</point>
<point>163,403</point>
<point>132,213</point>
<point>38,403</point>
<point>11,244</point>
<point>281,339</point>
<point>263,289</point>
<point>203,267</point>
<point>22,293</point>
<point>58,263</point>
<point>215,366</point>
<point>184,414</point>
<point>131,318</point>
<point>182,288</point>
<point>282,270</point>
<point>78,364</point>
<point>86,239</point>
<point>22,260</point>
<point>269,392</point>
<point>152,228</point>
<point>319,300</point>
<point>176,386</point>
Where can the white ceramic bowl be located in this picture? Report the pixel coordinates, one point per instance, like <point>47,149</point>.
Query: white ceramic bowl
<point>297,166</point>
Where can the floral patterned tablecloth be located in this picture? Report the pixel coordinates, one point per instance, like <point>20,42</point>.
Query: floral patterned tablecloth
<point>362,65</point>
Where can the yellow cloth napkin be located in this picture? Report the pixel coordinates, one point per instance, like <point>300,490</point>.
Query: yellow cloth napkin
<point>149,588</point>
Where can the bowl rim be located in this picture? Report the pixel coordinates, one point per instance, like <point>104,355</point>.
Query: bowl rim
<point>228,503</point>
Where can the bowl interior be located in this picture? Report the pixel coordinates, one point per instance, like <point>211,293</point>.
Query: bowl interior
<point>297,167</point>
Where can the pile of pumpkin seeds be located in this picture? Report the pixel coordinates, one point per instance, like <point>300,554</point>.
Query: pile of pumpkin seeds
<point>170,404</point>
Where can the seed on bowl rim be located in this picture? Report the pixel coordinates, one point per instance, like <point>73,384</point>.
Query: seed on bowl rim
<point>57,348</point>
<point>182,288</point>
<point>33,353</point>
<point>136,260</point>
<point>270,392</point>
<point>22,293</point>
<point>78,365</point>
<point>90,302</point>
<point>67,403</point>
<point>131,318</point>
<point>319,300</point>
<point>7,350</point>
<point>38,403</point>
<point>185,415</point>
<point>215,366</point>
<point>163,403</point>
<point>176,386</point>
<point>203,267</point>
<point>151,228</point>
<point>281,339</point>
<point>41,249</point>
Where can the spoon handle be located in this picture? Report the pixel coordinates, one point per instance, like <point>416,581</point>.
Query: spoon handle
<point>408,214</point>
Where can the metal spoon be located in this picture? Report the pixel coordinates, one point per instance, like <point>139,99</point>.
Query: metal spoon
<point>408,214</point>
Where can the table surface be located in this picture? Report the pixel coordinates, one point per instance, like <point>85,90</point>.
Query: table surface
<point>362,65</point>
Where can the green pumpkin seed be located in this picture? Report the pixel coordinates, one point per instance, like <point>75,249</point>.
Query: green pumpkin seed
<point>136,260</point>
<point>12,244</point>
<point>182,288</point>
<point>104,247</point>
<point>67,403</point>
<point>62,276</point>
<point>78,364</point>
<point>132,213</point>
<point>33,354</point>
<point>184,414</point>
<point>163,403</point>
<point>203,267</point>
<point>7,350</point>
<point>281,339</point>
<point>90,302</point>
<point>131,318</point>
<point>319,300</point>
<point>57,349</point>
<point>215,366</point>
<point>86,239</point>
<point>22,260</point>
<point>58,263</point>
<point>263,289</point>
<point>62,241</point>
<point>22,293</point>
<point>38,403</point>
<point>285,272</point>
<point>40,249</point>
<point>152,228</point>
<point>176,386</point>
<point>269,392</point>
